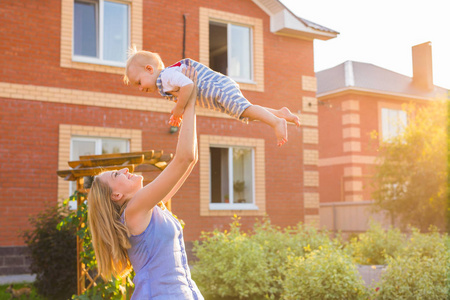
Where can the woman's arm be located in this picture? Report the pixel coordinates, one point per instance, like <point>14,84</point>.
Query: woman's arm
<point>174,175</point>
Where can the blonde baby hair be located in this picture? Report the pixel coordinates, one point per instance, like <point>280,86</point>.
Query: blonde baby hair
<point>109,235</point>
<point>141,58</point>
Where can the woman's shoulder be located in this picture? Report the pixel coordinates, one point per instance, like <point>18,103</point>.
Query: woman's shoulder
<point>137,222</point>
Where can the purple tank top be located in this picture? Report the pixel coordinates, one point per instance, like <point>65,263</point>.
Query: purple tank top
<point>159,259</point>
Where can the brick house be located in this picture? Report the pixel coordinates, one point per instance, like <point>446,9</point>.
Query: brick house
<point>62,96</point>
<point>356,99</point>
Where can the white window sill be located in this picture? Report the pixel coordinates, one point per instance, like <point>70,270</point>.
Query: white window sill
<point>247,81</point>
<point>229,206</point>
<point>96,61</point>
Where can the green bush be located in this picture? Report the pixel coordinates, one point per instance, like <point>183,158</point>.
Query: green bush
<point>230,265</point>
<point>53,254</point>
<point>326,273</point>
<point>7,295</point>
<point>373,246</point>
<point>420,271</point>
<point>279,243</point>
<point>239,266</point>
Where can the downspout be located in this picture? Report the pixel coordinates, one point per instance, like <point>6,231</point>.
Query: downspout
<point>184,37</point>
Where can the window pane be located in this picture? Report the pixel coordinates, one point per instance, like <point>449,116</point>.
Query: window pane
<point>218,47</point>
<point>80,148</point>
<point>219,175</point>
<point>115,31</point>
<point>114,146</point>
<point>242,175</point>
<point>394,122</point>
<point>240,64</point>
<point>385,123</point>
<point>85,28</point>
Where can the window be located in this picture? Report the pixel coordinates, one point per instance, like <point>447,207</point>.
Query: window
<point>230,50</point>
<point>232,173</point>
<point>101,31</point>
<point>393,121</point>
<point>92,146</point>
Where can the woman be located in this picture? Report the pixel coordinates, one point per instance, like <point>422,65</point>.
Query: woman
<point>129,229</point>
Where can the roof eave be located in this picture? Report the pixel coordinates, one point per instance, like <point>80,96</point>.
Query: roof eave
<point>358,90</point>
<point>284,22</point>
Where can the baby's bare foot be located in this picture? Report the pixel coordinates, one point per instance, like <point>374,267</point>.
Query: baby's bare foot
<point>281,132</point>
<point>286,114</point>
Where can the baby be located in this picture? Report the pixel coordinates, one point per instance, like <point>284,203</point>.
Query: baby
<point>215,91</point>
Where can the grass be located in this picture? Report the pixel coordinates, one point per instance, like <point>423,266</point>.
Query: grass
<point>6,296</point>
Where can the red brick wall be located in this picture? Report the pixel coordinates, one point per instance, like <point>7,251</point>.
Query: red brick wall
<point>30,49</point>
<point>331,140</point>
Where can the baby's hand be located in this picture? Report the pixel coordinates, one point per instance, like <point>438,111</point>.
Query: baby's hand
<point>175,122</point>
<point>177,116</point>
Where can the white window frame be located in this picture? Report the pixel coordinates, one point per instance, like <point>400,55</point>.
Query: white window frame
<point>231,205</point>
<point>229,24</point>
<point>98,150</point>
<point>386,136</point>
<point>100,60</point>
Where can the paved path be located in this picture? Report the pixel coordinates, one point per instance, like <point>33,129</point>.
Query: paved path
<point>16,278</point>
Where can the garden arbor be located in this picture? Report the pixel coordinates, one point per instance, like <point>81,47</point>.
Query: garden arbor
<point>91,165</point>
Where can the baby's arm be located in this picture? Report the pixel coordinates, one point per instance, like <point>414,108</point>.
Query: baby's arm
<point>183,97</point>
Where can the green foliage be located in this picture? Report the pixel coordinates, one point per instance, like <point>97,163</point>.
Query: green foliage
<point>7,296</point>
<point>373,246</point>
<point>411,174</point>
<point>235,265</point>
<point>278,244</point>
<point>303,263</point>
<point>53,254</point>
<point>448,164</point>
<point>230,265</point>
<point>326,273</point>
<point>113,289</point>
<point>420,271</point>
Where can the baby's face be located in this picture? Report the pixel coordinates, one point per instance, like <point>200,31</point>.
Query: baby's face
<point>143,77</point>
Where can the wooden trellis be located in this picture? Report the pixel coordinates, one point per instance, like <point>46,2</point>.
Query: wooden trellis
<point>91,165</point>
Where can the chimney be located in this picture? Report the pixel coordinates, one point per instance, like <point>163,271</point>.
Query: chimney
<point>422,66</point>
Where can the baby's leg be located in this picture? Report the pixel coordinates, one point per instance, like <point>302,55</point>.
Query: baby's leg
<point>286,114</point>
<point>259,113</point>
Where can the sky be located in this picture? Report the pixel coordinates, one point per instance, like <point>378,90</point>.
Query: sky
<point>380,32</point>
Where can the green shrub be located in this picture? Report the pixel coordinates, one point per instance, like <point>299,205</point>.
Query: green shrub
<point>53,254</point>
<point>236,265</point>
<point>278,244</point>
<point>326,273</point>
<point>420,271</point>
<point>7,295</point>
<point>373,246</point>
<point>230,265</point>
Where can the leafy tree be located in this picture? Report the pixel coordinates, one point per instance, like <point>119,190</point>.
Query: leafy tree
<point>411,174</point>
<point>448,165</point>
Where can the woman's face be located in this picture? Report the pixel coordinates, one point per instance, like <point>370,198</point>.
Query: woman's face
<point>123,184</point>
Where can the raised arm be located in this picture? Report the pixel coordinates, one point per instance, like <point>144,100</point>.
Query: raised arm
<point>180,106</point>
<point>174,175</point>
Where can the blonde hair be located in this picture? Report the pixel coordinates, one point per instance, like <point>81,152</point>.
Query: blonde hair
<point>141,58</point>
<point>109,235</point>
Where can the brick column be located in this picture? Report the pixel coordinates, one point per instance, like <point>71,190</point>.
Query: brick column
<point>351,134</point>
<point>310,142</point>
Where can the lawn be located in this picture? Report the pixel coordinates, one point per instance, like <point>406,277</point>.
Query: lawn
<point>6,296</point>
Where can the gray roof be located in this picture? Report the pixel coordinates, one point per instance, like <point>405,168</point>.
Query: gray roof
<point>370,77</point>
<point>309,23</point>
<point>316,26</point>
